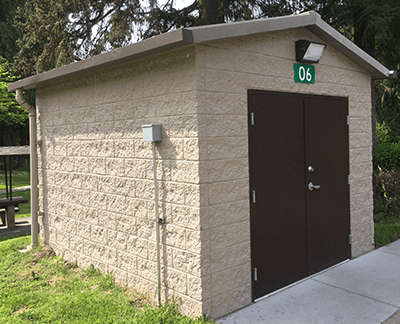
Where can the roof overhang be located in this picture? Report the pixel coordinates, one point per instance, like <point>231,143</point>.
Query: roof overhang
<point>195,35</point>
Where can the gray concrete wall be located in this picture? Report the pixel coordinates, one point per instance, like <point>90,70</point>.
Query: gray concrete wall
<point>96,173</point>
<point>228,69</point>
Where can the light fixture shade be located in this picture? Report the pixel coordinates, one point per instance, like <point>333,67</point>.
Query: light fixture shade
<point>309,52</point>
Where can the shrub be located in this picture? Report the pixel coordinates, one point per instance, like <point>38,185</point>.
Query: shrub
<point>387,156</point>
<point>386,187</point>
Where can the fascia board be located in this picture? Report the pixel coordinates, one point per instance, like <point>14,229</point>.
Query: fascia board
<point>154,45</point>
<point>244,28</point>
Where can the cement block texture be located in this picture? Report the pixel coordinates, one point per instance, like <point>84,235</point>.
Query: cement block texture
<point>96,173</point>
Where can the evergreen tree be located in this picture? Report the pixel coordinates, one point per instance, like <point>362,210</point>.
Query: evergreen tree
<point>13,118</point>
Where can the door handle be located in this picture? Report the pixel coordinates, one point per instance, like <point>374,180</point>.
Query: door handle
<point>312,186</point>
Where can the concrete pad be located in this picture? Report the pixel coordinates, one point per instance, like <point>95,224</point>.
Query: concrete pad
<point>392,248</point>
<point>312,302</point>
<point>374,275</point>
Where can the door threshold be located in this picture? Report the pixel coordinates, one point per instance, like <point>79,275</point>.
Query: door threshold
<point>300,281</point>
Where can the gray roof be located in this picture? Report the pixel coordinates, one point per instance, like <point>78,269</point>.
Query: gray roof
<point>194,35</point>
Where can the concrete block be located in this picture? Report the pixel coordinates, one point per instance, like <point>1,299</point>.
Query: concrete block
<point>187,262</point>
<point>193,148</point>
<point>230,234</point>
<point>135,168</point>
<point>194,287</point>
<point>127,262</point>
<point>116,204</point>
<point>99,234</point>
<point>358,140</point>
<point>362,246</point>
<point>125,224</point>
<point>98,200</point>
<point>185,171</point>
<point>361,201</point>
<point>361,170</point>
<point>137,246</point>
<point>360,185</point>
<point>360,155</point>
<point>147,270</point>
<point>227,148</point>
<point>120,276</point>
<point>226,213</point>
<point>175,280</point>
<point>228,191</point>
<point>230,279</point>
<point>115,167</point>
<point>360,125</point>
<point>228,302</point>
<point>230,257</point>
<point>169,149</point>
<point>97,165</point>
<point>137,207</point>
<point>106,184</point>
<point>173,236</point>
<point>188,217</point>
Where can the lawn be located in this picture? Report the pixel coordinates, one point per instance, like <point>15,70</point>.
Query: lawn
<point>38,287</point>
<point>24,209</point>
<point>20,178</point>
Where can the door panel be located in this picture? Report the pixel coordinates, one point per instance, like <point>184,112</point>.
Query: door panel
<point>277,163</point>
<point>328,211</point>
<point>296,232</point>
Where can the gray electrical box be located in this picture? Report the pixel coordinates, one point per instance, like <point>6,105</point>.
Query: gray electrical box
<point>152,133</point>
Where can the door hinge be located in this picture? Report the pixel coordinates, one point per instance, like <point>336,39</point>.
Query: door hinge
<point>348,180</point>
<point>350,239</point>
<point>255,274</point>
<point>253,196</point>
<point>347,120</point>
<point>252,118</point>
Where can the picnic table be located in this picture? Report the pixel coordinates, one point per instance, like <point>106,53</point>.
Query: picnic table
<point>9,205</point>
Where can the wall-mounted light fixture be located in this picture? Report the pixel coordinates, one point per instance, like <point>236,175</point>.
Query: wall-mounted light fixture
<point>309,52</point>
<point>392,74</point>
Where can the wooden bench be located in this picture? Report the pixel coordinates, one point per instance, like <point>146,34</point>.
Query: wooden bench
<point>8,207</point>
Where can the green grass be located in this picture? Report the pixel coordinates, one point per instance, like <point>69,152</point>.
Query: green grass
<point>24,209</point>
<point>36,286</point>
<point>20,178</point>
<point>386,233</point>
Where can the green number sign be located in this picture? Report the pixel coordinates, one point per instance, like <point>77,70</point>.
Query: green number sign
<point>304,73</point>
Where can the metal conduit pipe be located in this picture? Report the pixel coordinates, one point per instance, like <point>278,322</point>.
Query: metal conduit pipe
<point>33,164</point>
<point>158,221</point>
<point>152,133</point>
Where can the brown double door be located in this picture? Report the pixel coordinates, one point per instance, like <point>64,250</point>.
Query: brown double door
<point>299,192</point>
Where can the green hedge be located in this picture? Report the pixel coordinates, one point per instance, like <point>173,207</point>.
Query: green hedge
<point>387,156</point>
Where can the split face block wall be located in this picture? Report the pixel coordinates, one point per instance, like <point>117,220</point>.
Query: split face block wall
<point>96,172</point>
<point>228,69</point>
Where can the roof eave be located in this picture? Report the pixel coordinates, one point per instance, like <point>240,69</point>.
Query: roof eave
<point>335,39</point>
<point>154,45</point>
<point>185,36</point>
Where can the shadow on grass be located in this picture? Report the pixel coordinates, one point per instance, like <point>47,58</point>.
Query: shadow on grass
<point>2,239</point>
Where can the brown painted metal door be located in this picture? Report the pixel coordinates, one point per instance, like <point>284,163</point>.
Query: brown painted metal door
<point>296,232</point>
<point>327,208</point>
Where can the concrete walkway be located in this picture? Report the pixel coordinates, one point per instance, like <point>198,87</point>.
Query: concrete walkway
<point>365,290</point>
<point>16,189</point>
